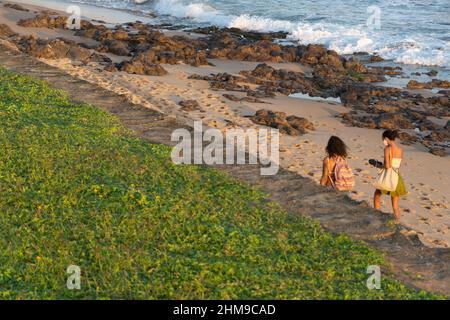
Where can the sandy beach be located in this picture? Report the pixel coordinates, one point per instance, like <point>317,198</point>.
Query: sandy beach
<point>426,208</point>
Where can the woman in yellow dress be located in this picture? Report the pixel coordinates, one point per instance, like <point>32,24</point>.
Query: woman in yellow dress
<point>393,156</point>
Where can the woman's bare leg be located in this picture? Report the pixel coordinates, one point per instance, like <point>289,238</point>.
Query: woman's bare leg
<point>395,207</point>
<point>377,199</point>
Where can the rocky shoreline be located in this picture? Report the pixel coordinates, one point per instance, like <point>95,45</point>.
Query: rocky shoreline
<point>144,49</point>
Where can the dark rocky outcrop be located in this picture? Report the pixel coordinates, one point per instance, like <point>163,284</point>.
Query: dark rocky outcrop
<point>116,47</point>
<point>363,94</point>
<point>49,20</point>
<point>59,49</point>
<point>435,83</point>
<point>393,121</point>
<point>238,33</point>
<point>291,125</point>
<point>447,126</point>
<point>137,66</point>
<point>301,124</point>
<point>223,81</point>
<point>152,46</point>
<point>407,138</point>
<point>279,80</point>
<point>247,98</point>
<point>5,31</point>
<point>15,6</point>
<point>441,152</point>
<point>189,105</point>
<point>413,84</point>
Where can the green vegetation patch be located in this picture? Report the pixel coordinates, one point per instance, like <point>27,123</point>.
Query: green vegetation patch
<point>76,188</point>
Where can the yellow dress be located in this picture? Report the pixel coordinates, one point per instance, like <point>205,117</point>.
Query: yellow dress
<point>401,189</point>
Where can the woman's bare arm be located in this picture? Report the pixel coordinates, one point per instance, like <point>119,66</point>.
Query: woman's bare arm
<point>387,158</point>
<point>325,173</point>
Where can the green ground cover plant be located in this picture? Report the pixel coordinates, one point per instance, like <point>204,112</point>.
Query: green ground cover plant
<point>76,188</point>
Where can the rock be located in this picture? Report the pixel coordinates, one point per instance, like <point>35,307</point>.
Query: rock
<point>407,138</point>
<point>59,49</point>
<point>279,80</point>
<point>95,32</point>
<point>263,71</point>
<point>393,122</point>
<point>438,136</point>
<point>363,94</point>
<point>263,50</point>
<point>413,84</point>
<point>435,83</point>
<point>232,97</point>
<point>313,53</point>
<point>231,44</point>
<point>116,47</point>
<point>149,46</point>
<point>279,121</point>
<point>447,126</point>
<point>222,81</point>
<point>16,7</point>
<point>332,59</point>
<point>270,118</point>
<point>252,99</point>
<point>355,66</point>
<point>44,21</point>
<point>441,152</point>
<point>238,33</point>
<point>260,94</point>
<point>5,31</point>
<point>136,66</point>
<point>427,125</point>
<point>189,105</point>
<point>111,68</point>
<point>441,101</point>
<point>384,107</point>
<point>120,34</point>
<point>390,71</point>
<point>375,58</point>
<point>431,73</point>
<point>301,124</point>
<point>355,120</point>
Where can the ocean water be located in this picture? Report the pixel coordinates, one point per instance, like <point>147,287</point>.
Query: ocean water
<point>405,31</point>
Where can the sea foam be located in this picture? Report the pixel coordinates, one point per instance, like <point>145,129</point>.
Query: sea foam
<point>424,49</point>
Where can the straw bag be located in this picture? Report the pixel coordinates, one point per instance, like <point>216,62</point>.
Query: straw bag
<point>387,179</point>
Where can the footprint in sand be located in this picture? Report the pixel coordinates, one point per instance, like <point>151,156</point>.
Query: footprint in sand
<point>440,243</point>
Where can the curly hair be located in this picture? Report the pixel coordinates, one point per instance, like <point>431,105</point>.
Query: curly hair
<point>336,147</point>
<point>390,134</point>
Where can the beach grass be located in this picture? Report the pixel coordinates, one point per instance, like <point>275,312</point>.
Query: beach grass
<point>76,188</point>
